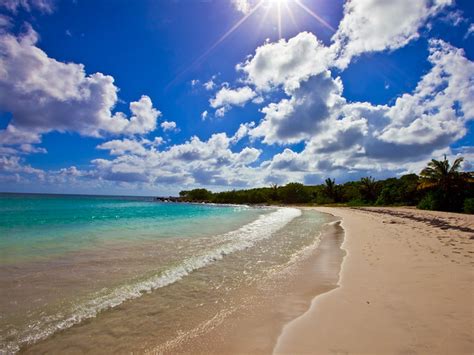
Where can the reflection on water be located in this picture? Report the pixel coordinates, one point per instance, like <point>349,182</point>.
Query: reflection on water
<point>172,286</point>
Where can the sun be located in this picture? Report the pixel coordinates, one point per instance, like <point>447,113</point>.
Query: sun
<point>284,9</point>
<point>280,8</point>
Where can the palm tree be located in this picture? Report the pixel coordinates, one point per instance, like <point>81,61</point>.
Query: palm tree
<point>330,189</point>
<point>439,174</point>
<point>368,188</point>
<point>447,186</point>
<point>274,192</point>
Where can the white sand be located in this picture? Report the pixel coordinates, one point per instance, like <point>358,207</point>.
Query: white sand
<point>406,286</point>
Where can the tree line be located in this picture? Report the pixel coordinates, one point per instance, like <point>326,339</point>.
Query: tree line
<point>440,186</point>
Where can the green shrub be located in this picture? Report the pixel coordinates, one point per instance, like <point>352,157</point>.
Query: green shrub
<point>469,205</point>
<point>434,200</point>
<point>358,202</point>
<point>426,202</point>
<point>323,200</point>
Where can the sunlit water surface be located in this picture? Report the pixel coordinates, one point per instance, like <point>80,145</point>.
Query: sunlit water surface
<point>81,273</point>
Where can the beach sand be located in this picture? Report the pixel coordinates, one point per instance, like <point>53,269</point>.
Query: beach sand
<point>406,286</point>
<point>254,325</point>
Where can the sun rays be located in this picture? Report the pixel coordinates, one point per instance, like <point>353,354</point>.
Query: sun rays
<point>280,9</point>
<point>284,8</point>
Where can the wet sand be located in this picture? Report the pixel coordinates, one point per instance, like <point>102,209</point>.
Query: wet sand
<point>237,304</point>
<point>406,286</point>
<point>254,325</point>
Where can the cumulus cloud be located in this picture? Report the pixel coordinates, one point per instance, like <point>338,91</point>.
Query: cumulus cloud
<point>286,63</point>
<point>289,160</point>
<point>210,84</point>
<point>120,147</point>
<point>134,146</point>
<point>377,25</point>
<point>361,137</point>
<point>46,95</point>
<point>5,22</point>
<point>46,6</point>
<point>243,131</point>
<point>441,103</point>
<point>169,126</point>
<point>211,162</point>
<point>220,112</point>
<point>225,98</point>
<point>367,26</point>
<point>228,97</point>
<point>339,137</point>
<point>299,118</point>
<point>15,164</point>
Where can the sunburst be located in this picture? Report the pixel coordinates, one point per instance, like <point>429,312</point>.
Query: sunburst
<point>279,7</point>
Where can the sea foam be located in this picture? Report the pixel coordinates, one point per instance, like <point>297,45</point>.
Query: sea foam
<point>245,237</point>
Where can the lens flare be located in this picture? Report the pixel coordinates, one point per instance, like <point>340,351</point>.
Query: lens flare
<point>277,6</point>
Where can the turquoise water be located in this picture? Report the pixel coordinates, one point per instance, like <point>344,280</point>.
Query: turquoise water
<point>41,226</point>
<point>160,267</point>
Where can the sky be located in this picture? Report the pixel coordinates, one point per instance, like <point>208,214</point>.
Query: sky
<point>151,97</point>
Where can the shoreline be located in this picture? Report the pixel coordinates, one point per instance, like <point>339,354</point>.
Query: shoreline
<point>406,285</point>
<point>376,280</point>
<point>283,334</point>
<point>254,326</point>
<point>218,311</point>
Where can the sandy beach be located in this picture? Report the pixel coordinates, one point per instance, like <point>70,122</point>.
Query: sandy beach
<point>406,286</point>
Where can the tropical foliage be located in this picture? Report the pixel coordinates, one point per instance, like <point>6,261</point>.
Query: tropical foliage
<point>445,187</point>
<point>439,186</point>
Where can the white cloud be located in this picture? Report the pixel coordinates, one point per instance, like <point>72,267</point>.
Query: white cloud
<point>46,6</point>
<point>46,95</point>
<point>470,31</point>
<point>197,162</point>
<point>243,131</point>
<point>14,164</point>
<point>367,26</point>
<point>210,84</point>
<point>454,18</point>
<point>299,117</point>
<point>124,146</point>
<point>228,97</point>
<point>220,112</point>
<point>258,100</point>
<point>377,25</point>
<point>288,160</point>
<point>28,148</point>
<point>120,147</point>
<point>441,103</point>
<point>225,98</point>
<point>169,126</point>
<point>341,138</point>
<point>286,63</point>
<point>359,136</point>
<point>5,22</point>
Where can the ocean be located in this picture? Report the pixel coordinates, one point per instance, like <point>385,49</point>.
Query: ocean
<point>125,274</point>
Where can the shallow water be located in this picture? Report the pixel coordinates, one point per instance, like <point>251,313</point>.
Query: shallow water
<point>140,274</point>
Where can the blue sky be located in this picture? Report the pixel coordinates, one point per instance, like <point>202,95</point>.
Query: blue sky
<point>151,97</point>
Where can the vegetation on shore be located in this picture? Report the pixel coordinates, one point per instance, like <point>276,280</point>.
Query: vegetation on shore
<point>440,186</point>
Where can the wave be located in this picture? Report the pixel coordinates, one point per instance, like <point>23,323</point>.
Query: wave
<point>245,237</point>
